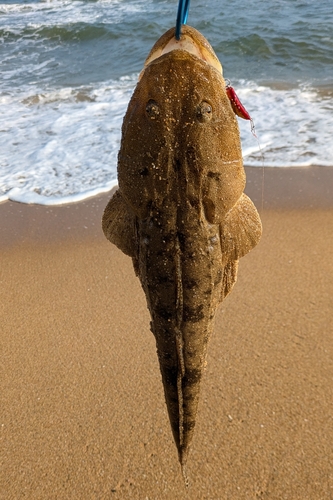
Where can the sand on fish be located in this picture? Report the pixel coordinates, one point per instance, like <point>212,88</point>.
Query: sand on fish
<point>82,411</point>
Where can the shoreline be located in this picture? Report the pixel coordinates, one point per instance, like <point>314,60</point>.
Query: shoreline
<point>269,188</point>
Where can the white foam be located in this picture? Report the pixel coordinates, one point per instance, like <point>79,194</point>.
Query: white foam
<point>294,127</point>
<point>31,197</point>
<point>64,12</point>
<point>60,145</point>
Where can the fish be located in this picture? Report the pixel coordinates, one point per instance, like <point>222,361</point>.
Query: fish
<point>180,211</point>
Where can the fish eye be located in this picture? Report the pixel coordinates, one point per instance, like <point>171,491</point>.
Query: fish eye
<point>204,112</point>
<point>152,109</point>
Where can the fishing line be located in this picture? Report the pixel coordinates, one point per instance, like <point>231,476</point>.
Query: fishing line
<point>253,131</point>
<point>240,111</point>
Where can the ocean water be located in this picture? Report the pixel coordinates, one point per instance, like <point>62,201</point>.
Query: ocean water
<point>68,69</point>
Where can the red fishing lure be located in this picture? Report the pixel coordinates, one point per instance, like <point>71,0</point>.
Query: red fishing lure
<point>236,105</point>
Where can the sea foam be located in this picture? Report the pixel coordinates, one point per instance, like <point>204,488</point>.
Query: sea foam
<point>60,145</point>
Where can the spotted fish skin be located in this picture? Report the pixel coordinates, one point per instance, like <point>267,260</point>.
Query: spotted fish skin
<point>180,211</point>
<point>180,270</point>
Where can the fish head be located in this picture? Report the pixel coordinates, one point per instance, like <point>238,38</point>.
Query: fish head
<point>180,128</point>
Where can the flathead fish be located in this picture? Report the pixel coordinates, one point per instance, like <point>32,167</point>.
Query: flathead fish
<point>180,212</point>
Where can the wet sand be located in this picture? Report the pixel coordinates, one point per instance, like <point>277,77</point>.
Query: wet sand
<point>82,405</point>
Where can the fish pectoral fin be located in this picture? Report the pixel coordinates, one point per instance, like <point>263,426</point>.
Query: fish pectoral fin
<point>118,224</point>
<point>241,230</point>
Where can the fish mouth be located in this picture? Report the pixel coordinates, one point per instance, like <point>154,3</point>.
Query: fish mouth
<point>191,41</point>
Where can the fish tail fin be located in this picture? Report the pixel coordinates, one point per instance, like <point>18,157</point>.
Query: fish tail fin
<point>183,459</point>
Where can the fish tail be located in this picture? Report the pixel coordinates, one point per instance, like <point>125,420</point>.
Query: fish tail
<point>184,472</point>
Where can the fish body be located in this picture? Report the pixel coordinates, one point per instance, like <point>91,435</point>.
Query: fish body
<point>180,211</point>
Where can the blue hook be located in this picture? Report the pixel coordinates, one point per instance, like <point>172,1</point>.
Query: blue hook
<point>182,14</point>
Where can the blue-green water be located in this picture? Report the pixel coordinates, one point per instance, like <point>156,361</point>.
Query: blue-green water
<point>69,67</point>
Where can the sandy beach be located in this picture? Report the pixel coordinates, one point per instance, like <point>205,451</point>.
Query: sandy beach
<point>82,412</point>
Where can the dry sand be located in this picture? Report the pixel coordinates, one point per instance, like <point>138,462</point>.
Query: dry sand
<point>82,406</point>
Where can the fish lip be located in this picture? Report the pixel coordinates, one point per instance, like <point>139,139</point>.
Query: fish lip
<point>191,42</point>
